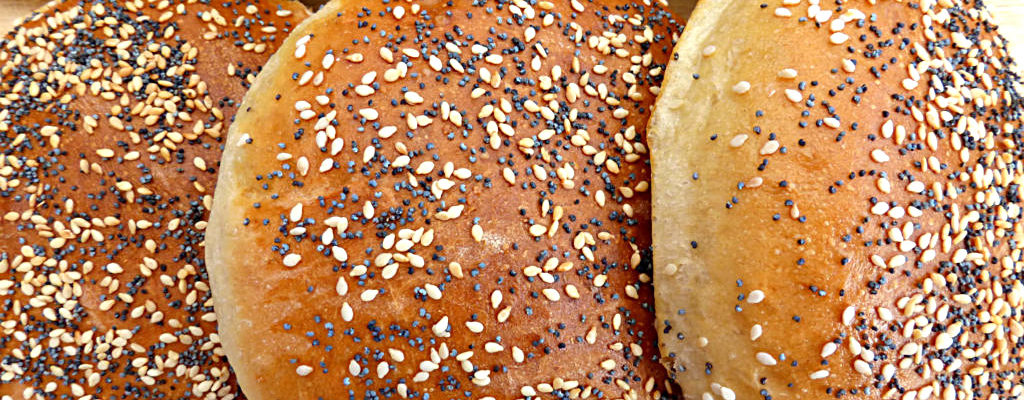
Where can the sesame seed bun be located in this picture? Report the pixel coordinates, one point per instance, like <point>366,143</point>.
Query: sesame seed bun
<point>835,191</point>
<point>445,199</point>
<point>112,117</point>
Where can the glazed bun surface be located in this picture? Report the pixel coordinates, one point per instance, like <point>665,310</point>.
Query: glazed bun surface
<point>445,199</point>
<point>112,118</point>
<point>836,203</point>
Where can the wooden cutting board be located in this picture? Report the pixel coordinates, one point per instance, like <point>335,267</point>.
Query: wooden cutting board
<point>1009,13</point>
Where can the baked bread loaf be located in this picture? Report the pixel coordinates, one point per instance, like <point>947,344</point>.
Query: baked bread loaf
<point>112,115</point>
<point>836,203</point>
<point>445,199</point>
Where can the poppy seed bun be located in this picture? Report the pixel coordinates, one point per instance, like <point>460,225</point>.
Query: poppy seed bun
<point>112,118</point>
<point>836,206</point>
<point>445,199</point>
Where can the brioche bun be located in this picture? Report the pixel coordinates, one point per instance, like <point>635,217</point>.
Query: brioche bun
<point>112,115</point>
<point>445,199</point>
<point>835,203</point>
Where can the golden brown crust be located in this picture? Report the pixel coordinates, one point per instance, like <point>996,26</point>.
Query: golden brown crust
<point>836,203</point>
<point>436,182</point>
<point>112,119</point>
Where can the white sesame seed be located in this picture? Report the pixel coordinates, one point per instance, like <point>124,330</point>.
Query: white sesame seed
<point>305,78</point>
<point>943,341</point>
<point>353,368</point>
<point>303,370</point>
<point>849,66</point>
<point>475,326</point>
<point>477,232</point>
<point>572,291</point>
<point>819,374</point>
<point>709,50</point>
<point>425,168</point>
<point>848,315</point>
<point>788,73</point>
<point>883,185</point>
<point>364,90</point>
<point>413,98</point>
<point>341,287</point>
<point>369,294</point>
<point>368,210</point>
<point>292,260</point>
<point>838,38</point>
<point>755,332</point>
<point>326,165</point>
<point>369,113</point>
<point>765,359</point>
<point>741,87</point>
<point>368,77</point>
<point>168,338</point>
<point>885,314</point>
<point>862,367</point>
<point>114,268</point>
<point>441,327</point>
<point>887,129</point>
<point>496,298</point>
<point>339,253</point>
<point>296,213</point>
<point>879,156</point>
<point>492,347</point>
<point>755,297</point>
<point>828,349</point>
<point>837,25</point>
<point>346,312</point>
<point>433,291</point>
<point>328,61</point>
<point>794,95</point>
<point>823,16</point>
<point>738,140</point>
<point>770,147</point>
<point>396,355</point>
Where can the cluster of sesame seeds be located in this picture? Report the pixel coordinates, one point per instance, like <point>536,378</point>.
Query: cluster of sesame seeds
<point>111,114</point>
<point>478,223</point>
<point>929,276</point>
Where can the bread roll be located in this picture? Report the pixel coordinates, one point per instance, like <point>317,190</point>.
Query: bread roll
<point>445,199</point>
<point>112,115</point>
<point>835,203</point>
